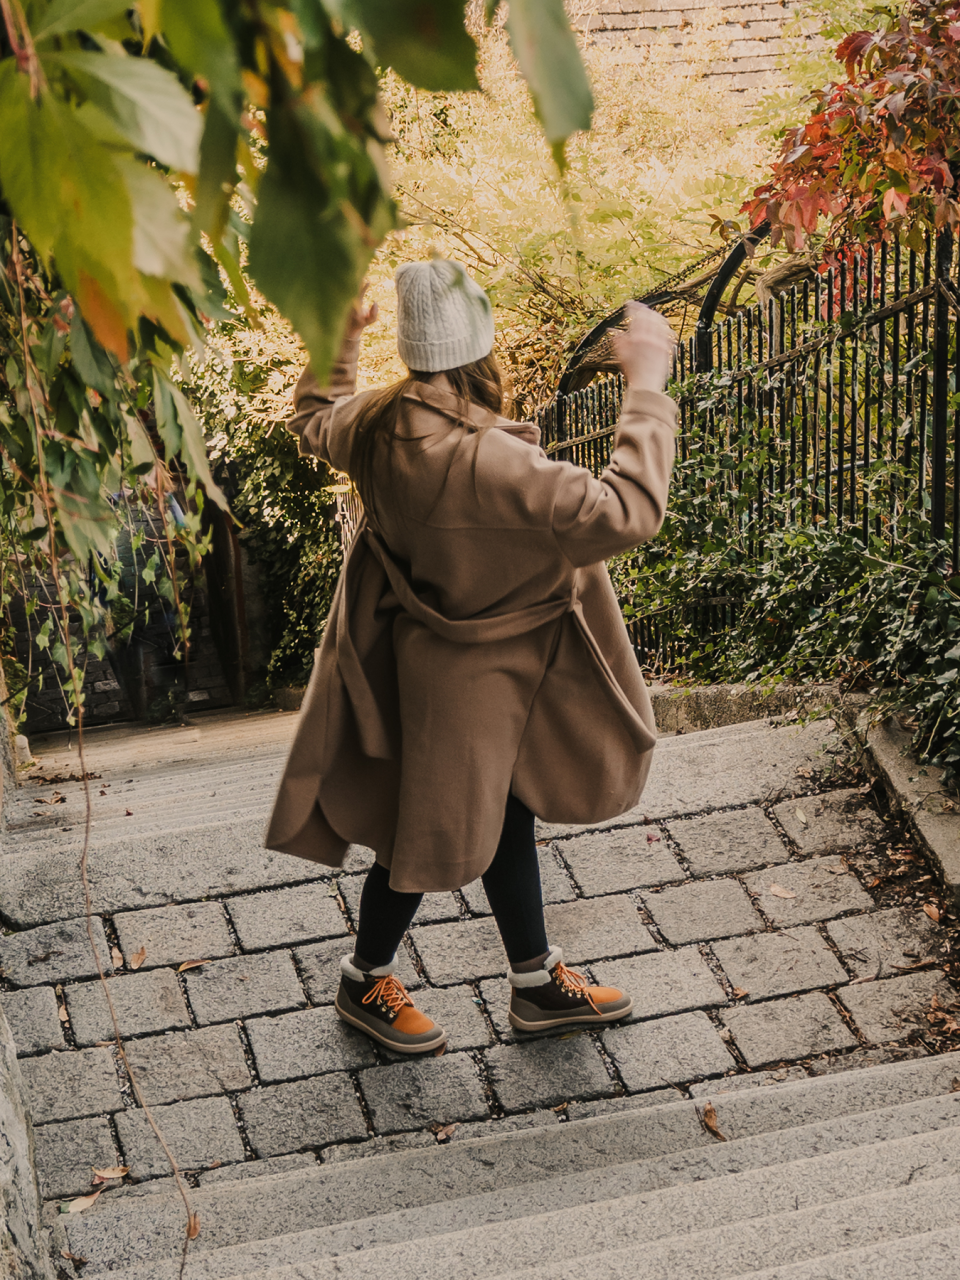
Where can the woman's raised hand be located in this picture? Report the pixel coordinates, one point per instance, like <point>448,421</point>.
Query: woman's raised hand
<point>644,348</point>
<point>362,315</point>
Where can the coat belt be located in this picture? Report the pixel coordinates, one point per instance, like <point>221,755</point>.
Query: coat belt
<point>374,738</point>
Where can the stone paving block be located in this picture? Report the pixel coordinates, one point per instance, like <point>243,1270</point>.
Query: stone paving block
<point>547,1072</point>
<point>143,1002</point>
<point>746,1080</point>
<point>283,916</point>
<point>198,1133</point>
<point>612,861</point>
<point>189,1064</point>
<point>435,907</point>
<point>68,1086</point>
<point>33,1018</point>
<point>594,929</point>
<point>173,935</point>
<point>737,840</point>
<point>308,1043</point>
<point>788,1029</point>
<point>894,1008</point>
<point>320,966</point>
<point>304,1113</point>
<point>415,1094</point>
<point>456,1010</point>
<point>662,982</point>
<point>68,1153</point>
<point>244,986</point>
<point>829,823</point>
<point>884,943</point>
<point>649,1055</point>
<point>458,952</point>
<point>555,884</point>
<point>495,993</point>
<point>822,888</point>
<point>706,909</point>
<point>53,953</point>
<point>778,964</point>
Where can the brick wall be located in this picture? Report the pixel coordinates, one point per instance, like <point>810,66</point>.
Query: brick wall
<point>746,40</point>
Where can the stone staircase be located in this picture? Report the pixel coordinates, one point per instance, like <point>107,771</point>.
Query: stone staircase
<point>850,1176</point>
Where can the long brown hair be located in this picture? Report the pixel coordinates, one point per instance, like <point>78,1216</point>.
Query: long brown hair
<point>478,383</point>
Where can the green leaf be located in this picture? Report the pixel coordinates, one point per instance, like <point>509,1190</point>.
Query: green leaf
<point>424,41</point>
<point>66,191</point>
<point>148,103</point>
<point>546,49</point>
<point>78,15</point>
<point>89,359</point>
<point>307,255</point>
<point>161,232</point>
<point>182,434</point>
<point>201,42</point>
<point>218,172</point>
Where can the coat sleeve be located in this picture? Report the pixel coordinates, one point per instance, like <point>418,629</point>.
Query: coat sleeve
<point>594,519</point>
<point>314,404</point>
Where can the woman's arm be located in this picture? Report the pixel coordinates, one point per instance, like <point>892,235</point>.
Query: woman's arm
<point>312,403</point>
<point>595,519</point>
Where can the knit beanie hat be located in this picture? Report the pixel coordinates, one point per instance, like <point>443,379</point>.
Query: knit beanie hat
<point>444,319</point>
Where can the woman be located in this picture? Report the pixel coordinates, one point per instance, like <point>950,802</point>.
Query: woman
<point>475,670</point>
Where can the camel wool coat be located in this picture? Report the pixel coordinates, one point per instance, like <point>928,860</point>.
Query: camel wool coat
<point>475,645</point>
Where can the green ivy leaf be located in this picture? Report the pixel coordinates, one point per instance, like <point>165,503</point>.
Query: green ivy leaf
<point>546,49</point>
<point>424,41</point>
<point>147,103</point>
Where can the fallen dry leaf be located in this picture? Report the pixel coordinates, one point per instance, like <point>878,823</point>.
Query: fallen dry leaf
<point>128,813</point>
<point>708,1118</point>
<point>193,964</point>
<point>72,1257</point>
<point>955,1084</point>
<point>115,1171</point>
<point>62,1015</point>
<point>651,838</point>
<point>445,1132</point>
<point>740,992</point>
<point>778,891</point>
<point>117,957</point>
<point>214,1164</point>
<point>560,1107</point>
<point>138,957</point>
<point>193,1226</point>
<point>802,817</point>
<point>81,1203</point>
<point>930,910</point>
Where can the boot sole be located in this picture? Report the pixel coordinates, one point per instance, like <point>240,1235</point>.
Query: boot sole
<point>424,1046</point>
<point>548,1024</point>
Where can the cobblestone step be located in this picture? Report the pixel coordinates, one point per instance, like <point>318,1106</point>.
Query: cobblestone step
<point>736,1249</point>
<point>917,1257</point>
<point>558,1216</point>
<point>665,1146</point>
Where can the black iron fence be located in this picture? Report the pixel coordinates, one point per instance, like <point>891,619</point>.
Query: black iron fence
<point>844,392</point>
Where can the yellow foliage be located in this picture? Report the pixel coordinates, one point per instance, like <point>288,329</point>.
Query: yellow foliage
<point>476,181</point>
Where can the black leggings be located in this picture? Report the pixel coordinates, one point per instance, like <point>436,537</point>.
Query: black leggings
<point>512,884</point>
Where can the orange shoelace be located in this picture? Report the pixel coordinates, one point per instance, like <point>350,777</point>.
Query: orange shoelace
<point>575,984</point>
<point>389,991</point>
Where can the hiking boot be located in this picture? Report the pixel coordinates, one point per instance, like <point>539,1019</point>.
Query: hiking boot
<point>377,1003</point>
<point>556,996</point>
